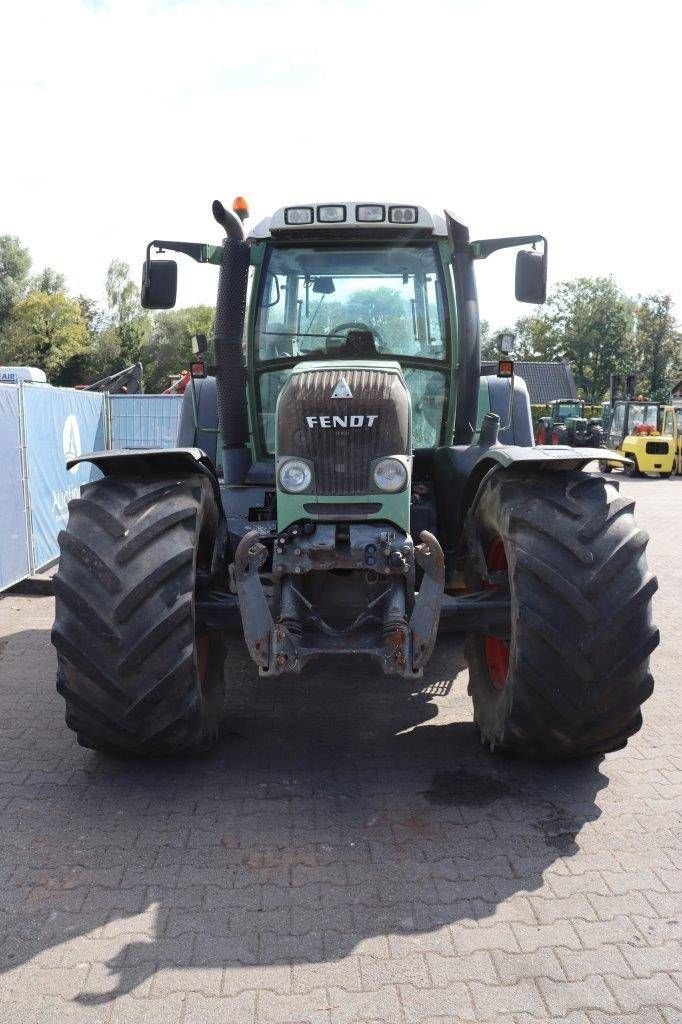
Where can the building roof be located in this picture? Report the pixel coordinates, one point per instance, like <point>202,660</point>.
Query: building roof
<point>545,381</point>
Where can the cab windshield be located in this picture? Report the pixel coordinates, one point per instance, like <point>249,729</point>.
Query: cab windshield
<point>568,410</point>
<point>312,298</point>
<point>312,302</point>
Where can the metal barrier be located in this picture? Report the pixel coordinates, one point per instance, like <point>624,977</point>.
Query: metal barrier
<point>40,428</point>
<point>144,421</point>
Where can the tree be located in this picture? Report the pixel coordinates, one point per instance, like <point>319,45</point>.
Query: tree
<point>126,315</point>
<point>168,347</point>
<point>588,321</point>
<point>657,346</point>
<point>49,281</point>
<point>15,264</point>
<point>45,331</point>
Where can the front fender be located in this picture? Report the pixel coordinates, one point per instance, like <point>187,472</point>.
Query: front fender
<point>553,456</point>
<point>135,462</point>
<point>459,470</point>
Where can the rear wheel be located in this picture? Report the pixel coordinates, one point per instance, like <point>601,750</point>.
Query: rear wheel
<point>133,670</point>
<point>571,675</point>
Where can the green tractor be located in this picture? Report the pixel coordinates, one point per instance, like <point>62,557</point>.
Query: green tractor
<point>568,424</point>
<point>344,482</point>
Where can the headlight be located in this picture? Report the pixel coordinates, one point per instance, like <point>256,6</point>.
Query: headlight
<point>331,214</point>
<point>295,476</point>
<point>390,475</point>
<point>298,215</point>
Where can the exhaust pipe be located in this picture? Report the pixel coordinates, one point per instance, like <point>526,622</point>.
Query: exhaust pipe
<point>229,329</point>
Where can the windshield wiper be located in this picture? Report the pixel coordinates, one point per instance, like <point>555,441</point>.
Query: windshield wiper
<point>301,334</point>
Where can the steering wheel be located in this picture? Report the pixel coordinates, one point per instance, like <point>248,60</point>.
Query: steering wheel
<point>356,325</point>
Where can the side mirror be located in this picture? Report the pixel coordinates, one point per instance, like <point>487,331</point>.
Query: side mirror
<point>531,276</point>
<point>159,284</point>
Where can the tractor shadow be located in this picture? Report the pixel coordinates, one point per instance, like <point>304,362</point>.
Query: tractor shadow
<point>341,811</point>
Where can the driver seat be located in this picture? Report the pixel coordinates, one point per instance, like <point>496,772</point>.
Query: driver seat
<point>358,345</point>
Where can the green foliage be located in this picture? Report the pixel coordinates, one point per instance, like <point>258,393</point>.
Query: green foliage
<point>657,347</point>
<point>49,281</point>
<point>131,323</point>
<point>45,331</point>
<point>588,321</point>
<point>168,349</point>
<point>15,264</point>
<point>601,331</point>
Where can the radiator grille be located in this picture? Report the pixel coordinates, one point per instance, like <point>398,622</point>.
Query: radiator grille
<point>342,454</point>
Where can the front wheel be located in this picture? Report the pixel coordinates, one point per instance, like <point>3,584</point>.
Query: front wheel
<point>134,671</point>
<point>569,677</point>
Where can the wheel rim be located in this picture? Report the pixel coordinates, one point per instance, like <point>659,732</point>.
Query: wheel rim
<point>495,650</point>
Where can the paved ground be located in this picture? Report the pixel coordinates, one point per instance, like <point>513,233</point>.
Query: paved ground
<point>348,853</point>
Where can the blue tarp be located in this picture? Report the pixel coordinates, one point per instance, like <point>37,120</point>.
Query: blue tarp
<point>55,424</point>
<point>14,556</point>
<point>59,424</point>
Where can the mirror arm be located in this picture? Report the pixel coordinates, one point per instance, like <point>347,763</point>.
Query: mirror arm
<point>481,249</point>
<point>198,251</point>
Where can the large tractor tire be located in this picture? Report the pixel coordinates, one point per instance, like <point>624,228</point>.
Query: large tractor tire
<point>572,677</point>
<point>134,673</point>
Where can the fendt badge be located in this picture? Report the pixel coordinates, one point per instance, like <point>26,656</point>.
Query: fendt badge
<point>357,420</point>
<point>342,390</point>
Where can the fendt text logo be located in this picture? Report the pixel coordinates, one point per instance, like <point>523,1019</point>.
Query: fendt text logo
<point>357,420</point>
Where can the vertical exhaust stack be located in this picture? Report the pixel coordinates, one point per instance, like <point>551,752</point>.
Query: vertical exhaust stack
<point>229,329</point>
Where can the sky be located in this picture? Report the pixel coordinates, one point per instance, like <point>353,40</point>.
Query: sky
<point>123,120</point>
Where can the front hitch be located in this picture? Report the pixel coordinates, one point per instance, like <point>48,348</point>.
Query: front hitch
<point>403,649</point>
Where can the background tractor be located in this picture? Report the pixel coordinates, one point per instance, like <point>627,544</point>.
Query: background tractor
<point>567,424</point>
<point>345,480</point>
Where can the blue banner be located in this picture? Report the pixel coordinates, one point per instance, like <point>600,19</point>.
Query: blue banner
<point>14,555</point>
<point>60,424</point>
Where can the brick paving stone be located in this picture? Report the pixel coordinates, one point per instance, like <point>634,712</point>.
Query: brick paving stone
<point>206,1009</point>
<point>581,963</point>
<point>293,1008</point>
<point>657,990</point>
<point>413,970</point>
<point>419,1003</point>
<point>476,966</point>
<point>589,993</point>
<point>492,1000</point>
<point>514,967</point>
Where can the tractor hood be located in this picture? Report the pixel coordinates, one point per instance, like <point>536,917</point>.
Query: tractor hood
<point>341,417</point>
